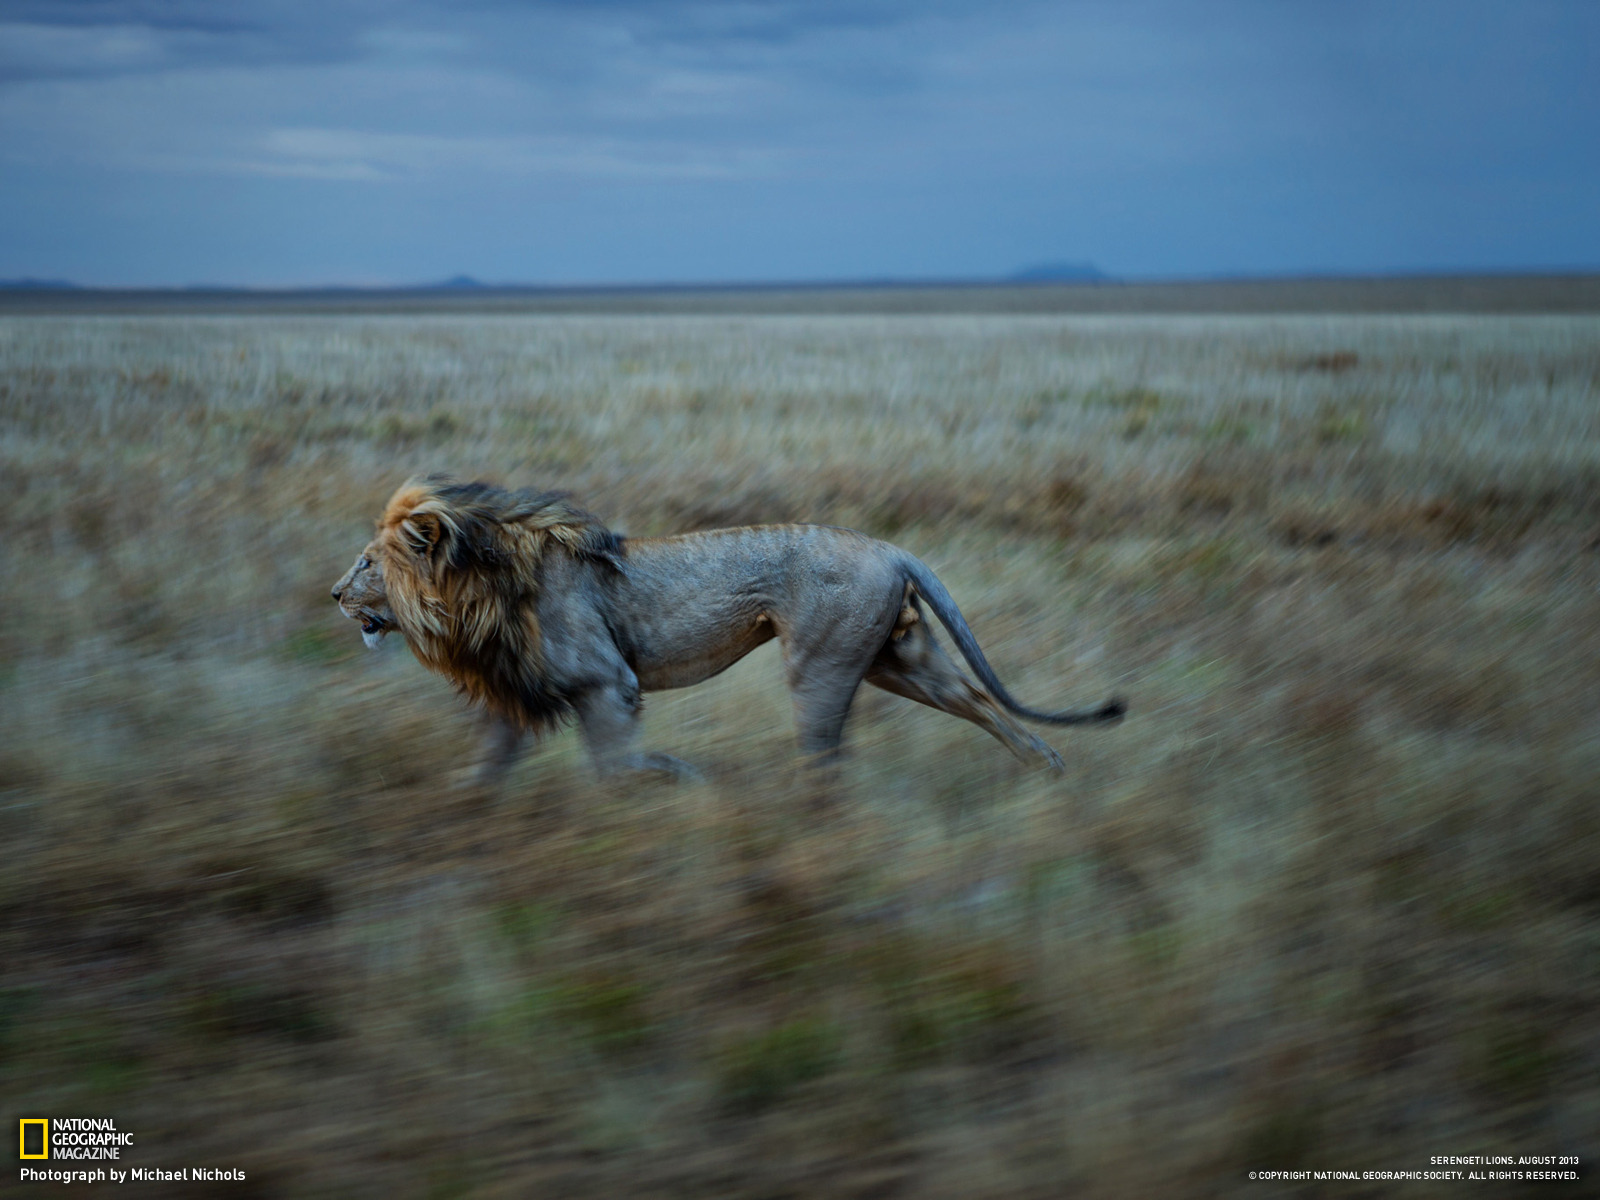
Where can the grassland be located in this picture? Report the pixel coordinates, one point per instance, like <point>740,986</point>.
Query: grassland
<point>1330,897</point>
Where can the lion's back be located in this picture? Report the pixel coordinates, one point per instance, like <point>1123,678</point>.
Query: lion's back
<point>770,559</point>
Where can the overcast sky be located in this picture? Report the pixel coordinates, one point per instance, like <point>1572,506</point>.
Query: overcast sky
<point>393,141</point>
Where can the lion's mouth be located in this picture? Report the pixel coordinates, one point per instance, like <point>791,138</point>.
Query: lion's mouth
<point>373,627</point>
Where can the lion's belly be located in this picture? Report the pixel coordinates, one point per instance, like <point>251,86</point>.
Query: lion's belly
<point>696,659</point>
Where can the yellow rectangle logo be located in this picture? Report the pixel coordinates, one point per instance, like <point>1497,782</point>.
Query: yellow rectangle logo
<point>35,1130</point>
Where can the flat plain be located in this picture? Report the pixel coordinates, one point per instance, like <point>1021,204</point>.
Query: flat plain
<point>1328,898</point>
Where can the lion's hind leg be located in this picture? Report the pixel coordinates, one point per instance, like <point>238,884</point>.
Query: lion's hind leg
<point>820,709</point>
<point>913,664</point>
<point>824,663</point>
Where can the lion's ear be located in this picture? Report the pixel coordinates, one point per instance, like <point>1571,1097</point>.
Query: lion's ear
<point>422,532</point>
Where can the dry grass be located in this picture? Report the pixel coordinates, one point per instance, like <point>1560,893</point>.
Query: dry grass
<point>1330,897</point>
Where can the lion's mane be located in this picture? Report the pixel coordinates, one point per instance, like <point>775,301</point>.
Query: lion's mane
<point>462,563</point>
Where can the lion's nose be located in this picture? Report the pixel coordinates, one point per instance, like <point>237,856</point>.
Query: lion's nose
<point>336,591</point>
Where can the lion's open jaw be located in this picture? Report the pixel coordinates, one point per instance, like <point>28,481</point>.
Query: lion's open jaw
<point>373,627</point>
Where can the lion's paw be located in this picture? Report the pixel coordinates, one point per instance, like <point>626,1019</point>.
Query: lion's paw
<point>657,763</point>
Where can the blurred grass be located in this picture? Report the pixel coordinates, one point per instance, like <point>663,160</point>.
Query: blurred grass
<point>1330,896</point>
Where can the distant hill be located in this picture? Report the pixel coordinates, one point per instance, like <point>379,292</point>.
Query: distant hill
<point>456,283</point>
<point>1485,293</point>
<point>1079,272</point>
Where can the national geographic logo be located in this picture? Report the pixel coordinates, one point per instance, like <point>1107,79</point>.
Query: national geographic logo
<point>76,1138</point>
<point>71,1137</point>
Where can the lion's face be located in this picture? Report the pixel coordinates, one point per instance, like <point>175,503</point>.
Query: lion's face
<point>363,597</point>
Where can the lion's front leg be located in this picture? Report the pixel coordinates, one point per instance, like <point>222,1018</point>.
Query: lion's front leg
<point>500,747</point>
<point>501,743</point>
<point>608,718</point>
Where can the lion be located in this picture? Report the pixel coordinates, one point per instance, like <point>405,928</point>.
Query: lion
<point>539,614</point>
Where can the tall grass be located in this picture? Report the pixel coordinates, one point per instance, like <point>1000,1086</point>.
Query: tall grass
<point>1330,897</point>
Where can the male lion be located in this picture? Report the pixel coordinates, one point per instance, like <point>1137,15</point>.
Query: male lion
<point>537,612</point>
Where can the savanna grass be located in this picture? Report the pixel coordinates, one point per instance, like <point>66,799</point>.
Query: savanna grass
<point>1329,897</point>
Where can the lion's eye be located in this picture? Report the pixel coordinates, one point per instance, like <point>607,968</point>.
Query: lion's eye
<point>364,563</point>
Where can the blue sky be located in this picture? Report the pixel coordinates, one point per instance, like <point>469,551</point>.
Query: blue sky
<point>170,142</point>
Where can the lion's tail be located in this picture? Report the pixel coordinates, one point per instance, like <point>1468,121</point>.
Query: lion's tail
<point>931,590</point>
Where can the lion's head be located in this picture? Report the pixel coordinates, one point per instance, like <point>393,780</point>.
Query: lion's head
<point>455,568</point>
<point>363,597</point>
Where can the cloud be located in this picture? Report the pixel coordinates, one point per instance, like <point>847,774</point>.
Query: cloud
<point>115,37</point>
<point>350,154</point>
<point>38,50</point>
<point>48,39</point>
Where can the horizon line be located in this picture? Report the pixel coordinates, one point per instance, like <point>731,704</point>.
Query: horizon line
<point>1029,279</point>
